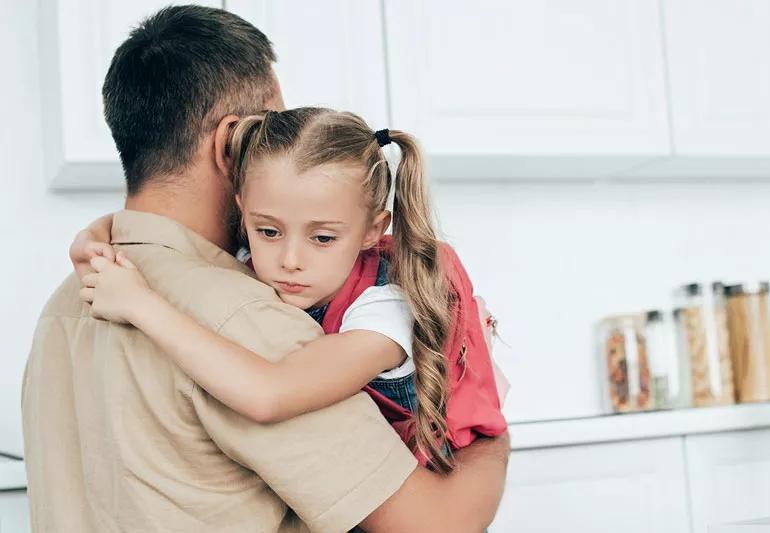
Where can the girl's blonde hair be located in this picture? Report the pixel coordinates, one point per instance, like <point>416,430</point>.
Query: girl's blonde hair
<point>316,136</point>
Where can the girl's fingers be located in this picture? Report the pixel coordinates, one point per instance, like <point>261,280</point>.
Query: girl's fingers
<point>103,249</point>
<point>98,263</point>
<point>123,261</point>
<point>89,280</point>
<point>87,294</point>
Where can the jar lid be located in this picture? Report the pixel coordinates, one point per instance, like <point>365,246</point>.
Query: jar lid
<point>654,315</point>
<point>753,287</point>
<point>696,289</point>
<point>691,289</point>
<point>620,320</point>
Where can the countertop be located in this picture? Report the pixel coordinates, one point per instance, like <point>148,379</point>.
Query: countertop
<point>620,427</point>
<point>570,432</point>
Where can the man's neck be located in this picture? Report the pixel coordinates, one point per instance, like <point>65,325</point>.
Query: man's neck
<point>203,212</point>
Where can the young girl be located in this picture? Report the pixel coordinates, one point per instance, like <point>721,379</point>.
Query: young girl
<point>399,315</point>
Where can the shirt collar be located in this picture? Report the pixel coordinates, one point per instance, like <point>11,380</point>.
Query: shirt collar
<point>138,227</point>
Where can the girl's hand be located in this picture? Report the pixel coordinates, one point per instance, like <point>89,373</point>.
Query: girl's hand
<point>94,241</point>
<point>116,290</point>
<point>84,248</point>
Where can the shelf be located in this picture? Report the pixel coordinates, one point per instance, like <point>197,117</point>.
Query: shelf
<point>12,474</point>
<point>613,428</point>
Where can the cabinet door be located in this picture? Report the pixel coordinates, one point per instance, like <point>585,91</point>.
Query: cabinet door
<point>729,477</point>
<point>14,512</point>
<point>330,52</point>
<point>719,63</point>
<point>77,41</point>
<point>503,87</point>
<point>634,487</point>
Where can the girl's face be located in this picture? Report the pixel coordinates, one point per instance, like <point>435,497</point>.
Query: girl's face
<point>306,229</point>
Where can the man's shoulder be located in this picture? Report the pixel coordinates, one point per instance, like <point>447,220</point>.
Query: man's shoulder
<point>212,294</point>
<point>65,300</point>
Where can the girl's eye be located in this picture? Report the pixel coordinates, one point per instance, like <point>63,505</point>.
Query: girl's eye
<point>324,239</point>
<point>270,233</point>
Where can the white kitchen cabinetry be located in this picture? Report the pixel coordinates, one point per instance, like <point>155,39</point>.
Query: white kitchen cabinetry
<point>634,487</point>
<point>719,62</point>
<point>519,89</point>
<point>330,52</point>
<point>14,512</point>
<point>729,477</point>
<point>719,78</point>
<point>77,41</point>
<point>553,88</point>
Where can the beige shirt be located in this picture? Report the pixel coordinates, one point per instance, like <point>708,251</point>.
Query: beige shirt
<point>118,438</point>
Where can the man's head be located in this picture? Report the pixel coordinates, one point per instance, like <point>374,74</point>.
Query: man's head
<point>170,84</point>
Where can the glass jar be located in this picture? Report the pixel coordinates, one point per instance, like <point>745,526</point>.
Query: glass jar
<point>669,388</point>
<point>623,365</point>
<point>749,326</point>
<point>702,324</point>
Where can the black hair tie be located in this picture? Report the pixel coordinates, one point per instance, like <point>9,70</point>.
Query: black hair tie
<point>382,136</point>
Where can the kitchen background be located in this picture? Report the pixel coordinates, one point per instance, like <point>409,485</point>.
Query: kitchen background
<point>586,158</point>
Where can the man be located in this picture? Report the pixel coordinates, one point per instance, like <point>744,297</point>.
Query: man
<point>117,438</point>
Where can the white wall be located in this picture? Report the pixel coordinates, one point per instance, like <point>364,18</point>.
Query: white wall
<point>36,226</point>
<point>550,259</point>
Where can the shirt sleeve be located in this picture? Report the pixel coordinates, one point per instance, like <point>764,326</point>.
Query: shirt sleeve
<point>384,310</point>
<point>334,466</point>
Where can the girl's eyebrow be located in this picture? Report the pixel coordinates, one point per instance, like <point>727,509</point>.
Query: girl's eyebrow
<point>326,223</point>
<point>311,223</point>
<point>263,215</point>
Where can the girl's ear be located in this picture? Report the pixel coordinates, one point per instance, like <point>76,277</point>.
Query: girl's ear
<point>380,224</point>
<point>238,201</point>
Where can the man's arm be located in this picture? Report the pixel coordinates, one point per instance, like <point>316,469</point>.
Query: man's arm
<point>344,465</point>
<point>464,501</point>
<point>333,466</point>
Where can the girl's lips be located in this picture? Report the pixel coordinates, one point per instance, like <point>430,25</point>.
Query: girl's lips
<point>292,288</point>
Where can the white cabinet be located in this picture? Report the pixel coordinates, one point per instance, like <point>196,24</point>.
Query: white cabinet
<point>719,62</point>
<point>719,79</point>
<point>77,41</point>
<point>529,89</point>
<point>729,477</point>
<point>14,512</point>
<point>634,487</point>
<point>330,52</point>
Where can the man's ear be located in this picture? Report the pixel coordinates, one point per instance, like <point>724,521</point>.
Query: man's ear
<point>221,134</point>
<point>380,224</point>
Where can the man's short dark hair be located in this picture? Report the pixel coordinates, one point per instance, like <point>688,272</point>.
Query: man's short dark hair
<point>178,73</point>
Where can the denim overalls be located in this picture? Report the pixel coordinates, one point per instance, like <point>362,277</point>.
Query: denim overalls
<point>400,390</point>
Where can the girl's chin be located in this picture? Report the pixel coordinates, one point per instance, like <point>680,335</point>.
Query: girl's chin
<point>297,300</point>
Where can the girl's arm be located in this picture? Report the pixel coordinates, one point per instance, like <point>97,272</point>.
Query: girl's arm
<point>323,372</point>
<point>92,242</point>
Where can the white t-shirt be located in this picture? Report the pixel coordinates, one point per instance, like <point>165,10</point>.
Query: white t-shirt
<point>384,310</point>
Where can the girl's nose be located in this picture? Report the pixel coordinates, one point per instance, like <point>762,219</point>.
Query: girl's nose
<point>290,260</point>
